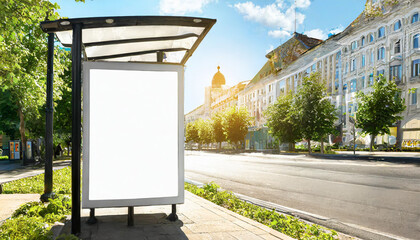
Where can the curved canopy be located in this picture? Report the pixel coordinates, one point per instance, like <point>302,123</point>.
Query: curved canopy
<point>164,39</point>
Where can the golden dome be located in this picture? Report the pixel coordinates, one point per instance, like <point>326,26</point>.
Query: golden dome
<point>218,79</point>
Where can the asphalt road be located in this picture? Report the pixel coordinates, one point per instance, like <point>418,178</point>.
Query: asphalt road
<point>380,196</point>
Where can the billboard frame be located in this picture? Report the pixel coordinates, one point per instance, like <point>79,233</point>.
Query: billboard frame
<point>155,67</point>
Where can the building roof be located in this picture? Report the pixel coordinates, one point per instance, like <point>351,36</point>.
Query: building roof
<point>289,51</point>
<point>218,79</point>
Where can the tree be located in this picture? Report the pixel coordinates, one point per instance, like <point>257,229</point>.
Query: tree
<point>315,113</point>
<point>379,109</point>
<point>9,120</point>
<point>282,121</point>
<point>327,115</point>
<point>235,125</point>
<point>23,50</point>
<point>217,125</point>
<point>205,131</point>
<point>191,132</point>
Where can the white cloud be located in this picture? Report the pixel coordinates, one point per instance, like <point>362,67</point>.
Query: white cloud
<point>337,30</point>
<point>317,33</point>
<point>278,34</point>
<point>270,49</point>
<point>303,3</point>
<point>182,6</point>
<point>273,15</point>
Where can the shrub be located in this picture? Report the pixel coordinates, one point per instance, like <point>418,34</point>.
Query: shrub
<point>286,224</point>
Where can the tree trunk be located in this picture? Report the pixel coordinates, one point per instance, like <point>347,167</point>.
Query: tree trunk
<point>220,145</point>
<point>22,133</point>
<point>399,136</point>
<point>322,145</point>
<point>290,146</point>
<point>309,146</point>
<point>372,137</point>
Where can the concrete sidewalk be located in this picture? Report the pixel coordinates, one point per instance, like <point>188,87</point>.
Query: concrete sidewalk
<point>10,202</point>
<point>198,219</point>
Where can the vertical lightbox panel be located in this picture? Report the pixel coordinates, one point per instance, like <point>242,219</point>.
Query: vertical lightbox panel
<point>132,134</point>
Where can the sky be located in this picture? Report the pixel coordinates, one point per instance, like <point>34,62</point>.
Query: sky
<point>244,33</point>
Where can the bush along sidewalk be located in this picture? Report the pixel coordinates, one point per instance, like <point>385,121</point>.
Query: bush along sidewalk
<point>34,220</point>
<point>288,225</point>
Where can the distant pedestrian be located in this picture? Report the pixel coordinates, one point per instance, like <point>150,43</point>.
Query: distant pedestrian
<point>58,151</point>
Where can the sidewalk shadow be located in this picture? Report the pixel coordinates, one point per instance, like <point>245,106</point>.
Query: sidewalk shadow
<point>153,226</point>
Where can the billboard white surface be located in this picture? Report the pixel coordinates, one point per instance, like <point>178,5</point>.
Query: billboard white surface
<point>132,134</point>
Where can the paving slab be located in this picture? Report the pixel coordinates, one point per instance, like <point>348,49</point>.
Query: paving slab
<point>10,202</point>
<point>198,219</point>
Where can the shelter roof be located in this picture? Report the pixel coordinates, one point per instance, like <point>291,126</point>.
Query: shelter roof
<point>135,38</point>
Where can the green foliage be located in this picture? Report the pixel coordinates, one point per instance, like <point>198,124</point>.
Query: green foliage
<point>205,131</point>
<point>191,132</point>
<point>235,124</point>
<point>24,227</point>
<point>33,220</point>
<point>316,113</point>
<point>9,120</point>
<point>379,109</point>
<point>217,125</point>
<point>286,224</point>
<point>282,120</point>
<point>61,179</point>
<point>53,211</point>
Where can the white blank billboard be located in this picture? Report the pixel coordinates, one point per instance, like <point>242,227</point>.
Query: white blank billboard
<point>132,134</point>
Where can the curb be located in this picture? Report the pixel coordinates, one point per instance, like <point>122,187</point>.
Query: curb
<point>346,228</point>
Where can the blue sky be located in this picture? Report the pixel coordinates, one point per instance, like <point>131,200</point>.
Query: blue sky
<point>245,30</point>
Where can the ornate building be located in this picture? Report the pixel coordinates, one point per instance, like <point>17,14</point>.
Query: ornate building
<point>384,39</point>
<point>217,97</point>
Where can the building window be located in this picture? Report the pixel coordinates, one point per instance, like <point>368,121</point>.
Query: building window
<point>397,25</point>
<point>381,53</point>
<point>372,58</point>
<point>414,97</point>
<point>363,60</point>
<point>354,45</point>
<point>395,72</point>
<point>371,79</point>
<point>363,82</point>
<point>347,67</point>
<point>381,32</point>
<point>416,68</point>
<point>416,41</point>
<point>380,72</point>
<point>371,38</point>
<point>353,85</point>
<point>362,41</point>
<point>397,47</point>
<point>269,88</point>
<point>415,18</point>
<point>313,69</point>
<point>353,65</point>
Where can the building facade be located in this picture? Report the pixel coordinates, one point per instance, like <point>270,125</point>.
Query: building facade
<point>384,39</point>
<point>374,44</point>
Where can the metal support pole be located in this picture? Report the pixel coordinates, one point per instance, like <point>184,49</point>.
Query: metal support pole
<point>130,219</point>
<point>173,217</point>
<point>92,219</point>
<point>76,52</point>
<point>48,176</point>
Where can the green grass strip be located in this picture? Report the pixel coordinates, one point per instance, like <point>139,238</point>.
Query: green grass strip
<point>288,225</point>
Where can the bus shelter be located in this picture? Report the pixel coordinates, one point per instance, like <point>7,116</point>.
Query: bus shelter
<point>132,72</point>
